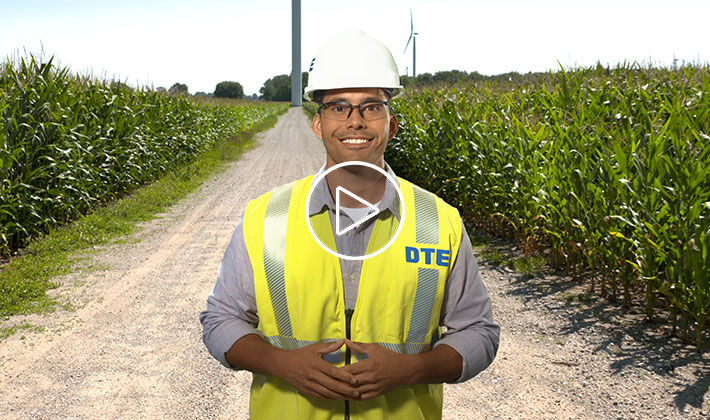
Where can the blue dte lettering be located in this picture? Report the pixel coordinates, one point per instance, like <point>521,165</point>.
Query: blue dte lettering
<point>442,257</point>
<point>427,254</point>
<point>412,254</point>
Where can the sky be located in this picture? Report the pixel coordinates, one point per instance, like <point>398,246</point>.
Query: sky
<point>201,43</point>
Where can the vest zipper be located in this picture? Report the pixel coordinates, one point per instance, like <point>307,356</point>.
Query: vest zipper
<point>348,318</point>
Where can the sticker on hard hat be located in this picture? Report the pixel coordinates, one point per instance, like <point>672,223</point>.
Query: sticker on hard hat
<point>353,217</point>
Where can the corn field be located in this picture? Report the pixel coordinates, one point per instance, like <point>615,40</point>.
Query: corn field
<point>69,144</point>
<point>604,170</point>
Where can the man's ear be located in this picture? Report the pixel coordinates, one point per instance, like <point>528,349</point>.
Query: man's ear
<point>394,126</point>
<point>316,125</point>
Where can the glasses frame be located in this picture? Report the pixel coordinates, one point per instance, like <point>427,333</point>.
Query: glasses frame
<point>343,103</point>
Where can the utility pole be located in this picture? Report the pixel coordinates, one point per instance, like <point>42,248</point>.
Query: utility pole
<point>296,53</point>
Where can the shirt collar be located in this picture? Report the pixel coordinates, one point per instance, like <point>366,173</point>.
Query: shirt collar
<point>321,196</point>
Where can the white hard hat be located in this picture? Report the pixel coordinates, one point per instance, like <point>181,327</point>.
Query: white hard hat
<point>353,60</point>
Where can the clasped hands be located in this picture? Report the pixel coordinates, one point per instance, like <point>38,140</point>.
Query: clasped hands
<point>382,371</point>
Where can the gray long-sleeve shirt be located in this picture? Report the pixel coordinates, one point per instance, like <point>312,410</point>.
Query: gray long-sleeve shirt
<point>466,315</point>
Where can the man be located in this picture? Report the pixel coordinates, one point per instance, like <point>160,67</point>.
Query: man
<point>334,338</point>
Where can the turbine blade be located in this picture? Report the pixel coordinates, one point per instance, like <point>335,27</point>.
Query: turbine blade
<point>411,30</point>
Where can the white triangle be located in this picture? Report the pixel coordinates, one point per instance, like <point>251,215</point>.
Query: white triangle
<point>357,223</point>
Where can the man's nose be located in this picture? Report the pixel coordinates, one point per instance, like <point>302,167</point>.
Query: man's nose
<point>355,119</point>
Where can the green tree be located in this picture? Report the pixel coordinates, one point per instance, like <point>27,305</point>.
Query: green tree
<point>450,76</point>
<point>178,88</point>
<point>229,89</point>
<point>278,88</point>
<point>424,79</point>
<point>304,81</point>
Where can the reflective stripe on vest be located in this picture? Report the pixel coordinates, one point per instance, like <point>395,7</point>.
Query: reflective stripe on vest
<point>426,218</point>
<point>275,255</point>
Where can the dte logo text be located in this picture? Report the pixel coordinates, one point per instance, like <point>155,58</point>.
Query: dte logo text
<point>413,255</point>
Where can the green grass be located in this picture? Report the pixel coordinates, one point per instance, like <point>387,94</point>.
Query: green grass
<point>25,279</point>
<point>582,298</point>
<point>502,253</point>
<point>531,265</point>
<point>310,109</point>
<point>493,255</point>
<point>8,331</point>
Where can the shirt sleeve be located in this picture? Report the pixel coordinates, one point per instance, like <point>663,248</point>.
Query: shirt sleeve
<point>466,314</point>
<point>231,305</point>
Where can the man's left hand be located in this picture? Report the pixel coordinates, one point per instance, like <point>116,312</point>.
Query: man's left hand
<point>382,371</point>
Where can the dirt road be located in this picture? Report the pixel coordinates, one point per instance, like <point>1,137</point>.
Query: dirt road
<point>132,347</point>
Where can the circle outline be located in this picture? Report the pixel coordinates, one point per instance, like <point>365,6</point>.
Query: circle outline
<point>320,177</point>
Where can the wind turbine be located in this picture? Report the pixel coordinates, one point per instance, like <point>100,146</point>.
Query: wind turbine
<point>413,39</point>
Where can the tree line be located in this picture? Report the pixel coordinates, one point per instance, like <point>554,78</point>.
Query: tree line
<point>458,76</point>
<point>225,89</point>
<point>278,88</point>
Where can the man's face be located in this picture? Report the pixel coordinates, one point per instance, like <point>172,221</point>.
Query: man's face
<point>338,136</point>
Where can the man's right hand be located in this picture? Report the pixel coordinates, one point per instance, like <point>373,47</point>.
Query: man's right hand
<point>303,368</point>
<point>306,370</point>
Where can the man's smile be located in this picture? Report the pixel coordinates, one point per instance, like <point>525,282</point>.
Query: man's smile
<point>355,140</point>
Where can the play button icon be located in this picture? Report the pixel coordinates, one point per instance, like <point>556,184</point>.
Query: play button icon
<point>358,210</point>
<point>340,190</point>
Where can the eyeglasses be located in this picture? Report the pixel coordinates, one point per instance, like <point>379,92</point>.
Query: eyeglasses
<point>341,111</point>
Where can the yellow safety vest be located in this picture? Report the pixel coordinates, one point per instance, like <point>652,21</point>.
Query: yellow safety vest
<point>299,296</point>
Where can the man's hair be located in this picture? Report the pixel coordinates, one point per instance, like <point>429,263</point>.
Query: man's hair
<point>318,95</point>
